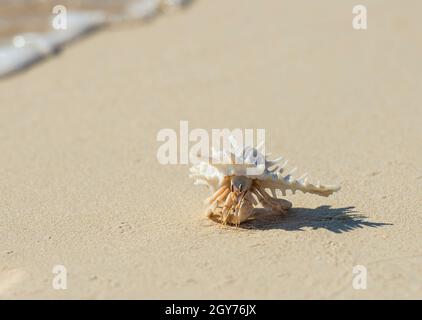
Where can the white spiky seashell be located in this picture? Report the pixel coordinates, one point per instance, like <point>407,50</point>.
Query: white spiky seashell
<point>238,179</point>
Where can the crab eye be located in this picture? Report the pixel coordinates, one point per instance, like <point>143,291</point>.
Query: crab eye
<point>231,188</point>
<point>240,187</point>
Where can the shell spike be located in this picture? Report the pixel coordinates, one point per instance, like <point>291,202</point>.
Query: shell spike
<point>292,171</point>
<point>260,145</point>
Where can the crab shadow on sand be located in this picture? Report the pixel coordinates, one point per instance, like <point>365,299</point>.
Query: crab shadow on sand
<point>337,220</point>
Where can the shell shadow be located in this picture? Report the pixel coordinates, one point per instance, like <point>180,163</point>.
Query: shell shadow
<point>337,220</point>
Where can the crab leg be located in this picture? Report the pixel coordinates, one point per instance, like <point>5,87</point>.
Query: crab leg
<point>224,195</point>
<point>216,194</point>
<point>210,209</point>
<point>237,208</point>
<point>228,204</point>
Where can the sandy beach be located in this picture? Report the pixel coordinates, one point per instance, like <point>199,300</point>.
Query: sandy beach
<point>81,187</point>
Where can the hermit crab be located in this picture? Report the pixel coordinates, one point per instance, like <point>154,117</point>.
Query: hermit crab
<point>239,187</point>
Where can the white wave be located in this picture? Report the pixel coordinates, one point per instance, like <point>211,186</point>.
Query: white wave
<point>28,48</point>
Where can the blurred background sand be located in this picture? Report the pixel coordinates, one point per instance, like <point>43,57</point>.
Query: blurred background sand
<point>80,184</point>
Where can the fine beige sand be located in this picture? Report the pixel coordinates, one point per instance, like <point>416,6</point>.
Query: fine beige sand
<point>80,184</point>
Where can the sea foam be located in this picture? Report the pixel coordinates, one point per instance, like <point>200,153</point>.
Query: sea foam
<point>27,48</point>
